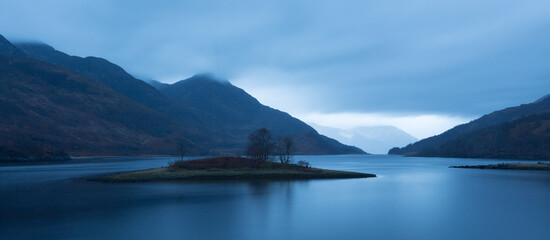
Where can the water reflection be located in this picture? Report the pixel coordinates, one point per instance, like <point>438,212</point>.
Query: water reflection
<point>412,198</point>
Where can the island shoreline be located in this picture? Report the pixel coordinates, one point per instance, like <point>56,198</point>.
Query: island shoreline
<point>150,175</point>
<point>227,169</point>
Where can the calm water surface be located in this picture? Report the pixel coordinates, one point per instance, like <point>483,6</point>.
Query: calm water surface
<point>412,198</point>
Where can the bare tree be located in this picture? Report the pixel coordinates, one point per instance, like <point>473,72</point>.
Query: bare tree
<point>285,149</point>
<point>260,145</point>
<point>181,150</point>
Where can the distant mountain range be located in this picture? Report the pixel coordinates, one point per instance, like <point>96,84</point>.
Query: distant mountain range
<point>373,139</point>
<point>52,102</point>
<point>521,132</point>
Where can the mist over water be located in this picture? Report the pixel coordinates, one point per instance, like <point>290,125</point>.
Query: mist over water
<point>412,198</point>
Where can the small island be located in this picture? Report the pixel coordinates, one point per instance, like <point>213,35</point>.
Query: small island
<point>228,168</point>
<point>511,166</point>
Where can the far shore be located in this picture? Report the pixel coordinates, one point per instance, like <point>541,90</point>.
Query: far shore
<point>227,168</point>
<point>114,156</point>
<point>510,166</point>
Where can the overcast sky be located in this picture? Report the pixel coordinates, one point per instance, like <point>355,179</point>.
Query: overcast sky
<point>423,66</point>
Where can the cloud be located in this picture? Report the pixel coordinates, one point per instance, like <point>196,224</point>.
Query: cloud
<point>405,58</point>
<point>299,102</point>
<point>420,126</point>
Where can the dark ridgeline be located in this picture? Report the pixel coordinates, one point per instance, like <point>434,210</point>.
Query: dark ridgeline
<point>51,102</point>
<point>232,111</point>
<point>46,108</point>
<point>119,80</point>
<point>8,49</point>
<point>521,132</point>
<point>158,85</point>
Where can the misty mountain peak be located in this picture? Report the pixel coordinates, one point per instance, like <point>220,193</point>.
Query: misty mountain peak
<point>205,87</point>
<point>34,45</point>
<point>206,77</point>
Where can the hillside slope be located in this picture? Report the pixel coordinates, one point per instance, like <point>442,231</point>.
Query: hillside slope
<point>119,80</point>
<point>491,124</point>
<point>524,138</point>
<point>54,102</point>
<point>233,111</point>
<point>48,107</point>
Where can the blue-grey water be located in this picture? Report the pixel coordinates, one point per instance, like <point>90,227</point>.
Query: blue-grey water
<point>412,198</point>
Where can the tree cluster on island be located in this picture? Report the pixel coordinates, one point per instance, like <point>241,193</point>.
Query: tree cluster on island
<point>262,146</point>
<point>266,158</point>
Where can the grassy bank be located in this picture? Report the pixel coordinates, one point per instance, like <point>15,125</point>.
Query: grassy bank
<point>228,168</point>
<point>511,166</point>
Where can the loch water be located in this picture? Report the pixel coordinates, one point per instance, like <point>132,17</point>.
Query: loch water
<point>412,198</point>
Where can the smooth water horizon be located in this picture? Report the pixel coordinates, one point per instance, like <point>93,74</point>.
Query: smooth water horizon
<point>411,198</point>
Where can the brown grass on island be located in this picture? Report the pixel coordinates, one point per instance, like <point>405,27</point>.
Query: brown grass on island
<point>228,168</point>
<point>511,166</point>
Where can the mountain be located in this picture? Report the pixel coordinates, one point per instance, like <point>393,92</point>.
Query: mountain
<point>8,49</point>
<point>543,98</point>
<point>507,126</point>
<point>156,84</point>
<point>524,138</point>
<point>46,108</point>
<point>234,112</point>
<point>373,139</point>
<point>52,104</point>
<point>119,80</point>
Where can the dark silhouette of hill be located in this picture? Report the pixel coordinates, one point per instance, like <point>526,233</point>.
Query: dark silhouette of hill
<point>441,145</point>
<point>158,85</point>
<point>53,103</point>
<point>119,80</point>
<point>8,49</point>
<point>48,108</point>
<point>233,111</point>
<point>523,138</point>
